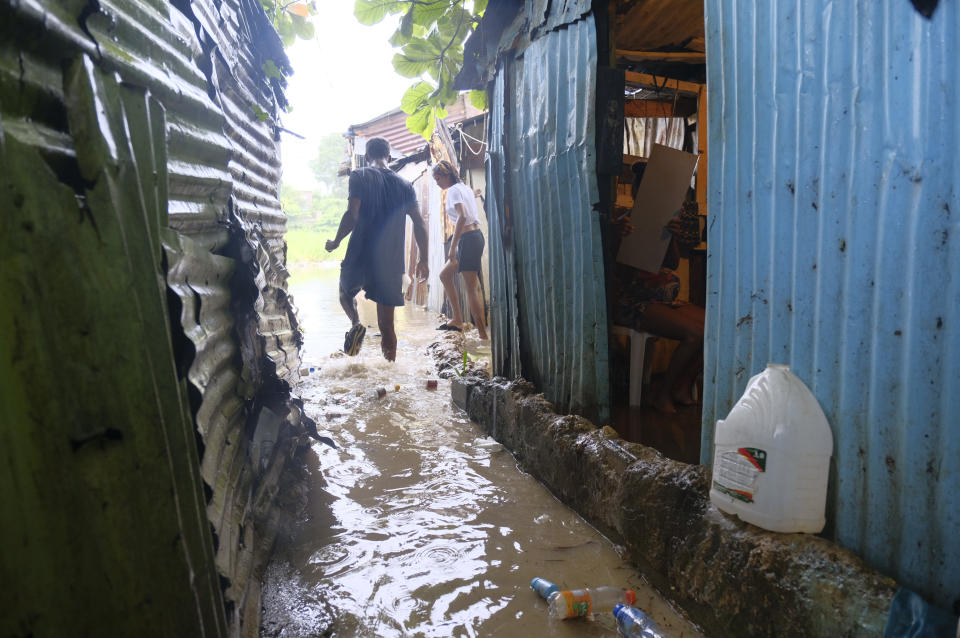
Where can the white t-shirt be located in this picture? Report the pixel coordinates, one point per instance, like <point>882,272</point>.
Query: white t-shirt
<point>460,193</point>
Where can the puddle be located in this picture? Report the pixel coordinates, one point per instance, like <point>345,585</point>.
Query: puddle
<point>419,524</point>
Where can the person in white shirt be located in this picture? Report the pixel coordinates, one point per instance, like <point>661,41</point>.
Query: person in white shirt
<point>466,248</point>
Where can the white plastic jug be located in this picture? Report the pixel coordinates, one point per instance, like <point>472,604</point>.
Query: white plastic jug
<point>771,458</point>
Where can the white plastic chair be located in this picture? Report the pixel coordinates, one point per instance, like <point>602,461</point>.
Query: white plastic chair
<point>638,346</point>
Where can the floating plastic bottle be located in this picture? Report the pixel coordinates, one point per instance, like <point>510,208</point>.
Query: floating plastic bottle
<point>574,603</point>
<point>772,455</point>
<point>543,587</point>
<point>633,623</point>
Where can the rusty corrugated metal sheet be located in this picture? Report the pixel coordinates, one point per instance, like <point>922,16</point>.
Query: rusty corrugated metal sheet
<point>235,336</point>
<point>548,307</point>
<point>392,126</point>
<point>660,25</point>
<point>834,246</point>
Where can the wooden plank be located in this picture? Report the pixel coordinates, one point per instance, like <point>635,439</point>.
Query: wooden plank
<point>702,149</point>
<point>647,108</point>
<point>656,82</point>
<point>689,57</point>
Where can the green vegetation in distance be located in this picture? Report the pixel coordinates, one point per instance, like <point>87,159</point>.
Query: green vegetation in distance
<point>313,216</point>
<point>430,38</point>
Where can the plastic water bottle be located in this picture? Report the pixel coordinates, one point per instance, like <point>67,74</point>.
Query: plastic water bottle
<point>574,603</point>
<point>543,587</point>
<point>633,623</point>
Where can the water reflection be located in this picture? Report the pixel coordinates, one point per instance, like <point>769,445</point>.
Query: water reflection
<point>419,525</point>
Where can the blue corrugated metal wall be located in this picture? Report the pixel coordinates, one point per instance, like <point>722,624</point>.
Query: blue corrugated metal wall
<point>834,247</point>
<point>548,303</point>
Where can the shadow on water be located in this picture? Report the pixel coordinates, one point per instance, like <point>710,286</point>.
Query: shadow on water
<point>419,524</point>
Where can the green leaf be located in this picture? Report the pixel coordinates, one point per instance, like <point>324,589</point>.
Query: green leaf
<point>398,39</point>
<point>303,28</point>
<point>409,68</point>
<point>259,113</point>
<point>415,97</point>
<point>423,49</point>
<point>455,21</point>
<point>373,11</point>
<point>440,112</point>
<point>286,30</point>
<point>417,57</point>
<point>420,120</point>
<point>271,71</point>
<point>479,99</point>
<point>406,24</point>
<point>479,6</point>
<point>431,11</point>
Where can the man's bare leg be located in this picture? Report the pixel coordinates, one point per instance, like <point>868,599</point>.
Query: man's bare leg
<point>349,305</point>
<point>388,336</point>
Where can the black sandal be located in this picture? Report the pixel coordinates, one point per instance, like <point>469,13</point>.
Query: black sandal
<point>447,326</point>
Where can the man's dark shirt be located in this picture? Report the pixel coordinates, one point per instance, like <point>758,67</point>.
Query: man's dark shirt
<point>376,243</point>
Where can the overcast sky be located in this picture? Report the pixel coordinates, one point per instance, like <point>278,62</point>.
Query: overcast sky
<point>343,76</point>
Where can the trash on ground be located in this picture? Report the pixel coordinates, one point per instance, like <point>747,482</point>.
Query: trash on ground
<point>431,384</point>
<point>576,603</point>
<point>633,623</point>
<point>544,588</point>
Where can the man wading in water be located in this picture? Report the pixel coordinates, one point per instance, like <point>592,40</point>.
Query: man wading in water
<point>379,200</point>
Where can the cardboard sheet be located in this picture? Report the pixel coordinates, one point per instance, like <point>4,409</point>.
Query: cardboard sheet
<point>659,197</point>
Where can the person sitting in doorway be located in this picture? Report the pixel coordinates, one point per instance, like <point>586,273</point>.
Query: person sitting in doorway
<point>647,302</point>
<point>466,249</point>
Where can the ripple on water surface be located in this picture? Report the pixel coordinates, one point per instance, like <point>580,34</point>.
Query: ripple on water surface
<point>421,525</point>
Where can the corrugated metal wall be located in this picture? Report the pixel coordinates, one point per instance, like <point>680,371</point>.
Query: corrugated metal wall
<point>548,309</point>
<point>234,333</point>
<point>834,247</point>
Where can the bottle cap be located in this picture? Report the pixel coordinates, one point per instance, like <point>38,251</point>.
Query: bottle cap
<point>543,587</point>
<point>630,597</point>
<point>617,608</point>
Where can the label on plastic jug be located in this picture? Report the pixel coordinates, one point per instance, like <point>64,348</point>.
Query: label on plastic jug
<point>737,470</point>
<point>576,605</point>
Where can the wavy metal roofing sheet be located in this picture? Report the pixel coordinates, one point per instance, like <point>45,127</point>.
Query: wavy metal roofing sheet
<point>225,260</point>
<point>548,301</point>
<point>834,247</point>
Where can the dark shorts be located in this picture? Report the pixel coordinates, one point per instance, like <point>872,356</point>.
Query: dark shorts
<point>469,251</point>
<point>387,291</point>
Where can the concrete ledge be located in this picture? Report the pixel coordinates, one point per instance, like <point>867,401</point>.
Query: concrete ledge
<point>731,578</point>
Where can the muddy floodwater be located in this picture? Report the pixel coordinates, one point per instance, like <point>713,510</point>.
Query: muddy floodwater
<point>419,524</point>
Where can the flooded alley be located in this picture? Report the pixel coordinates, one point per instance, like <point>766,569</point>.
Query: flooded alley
<point>419,524</point>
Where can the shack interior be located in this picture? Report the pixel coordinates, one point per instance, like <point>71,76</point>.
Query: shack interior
<point>659,45</point>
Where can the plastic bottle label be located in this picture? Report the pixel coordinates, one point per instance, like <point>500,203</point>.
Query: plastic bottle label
<point>738,472</point>
<point>576,605</point>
